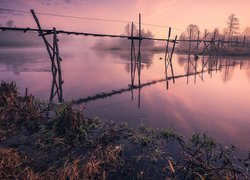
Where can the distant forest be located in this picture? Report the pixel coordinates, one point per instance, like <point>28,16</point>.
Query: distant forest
<point>231,32</point>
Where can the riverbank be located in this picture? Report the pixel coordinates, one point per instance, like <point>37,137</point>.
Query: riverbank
<point>227,51</point>
<point>39,140</point>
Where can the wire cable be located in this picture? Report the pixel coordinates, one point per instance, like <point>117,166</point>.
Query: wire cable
<point>89,18</point>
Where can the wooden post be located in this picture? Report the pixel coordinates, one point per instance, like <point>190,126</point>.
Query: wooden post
<point>53,52</point>
<point>139,63</point>
<point>166,51</point>
<point>166,57</point>
<point>189,48</point>
<point>58,60</point>
<point>204,43</point>
<point>218,47</point>
<point>166,74</point>
<point>54,71</point>
<point>170,59</point>
<point>139,97</point>
<point>132,58</point>
<point>139,25</point>
<point>195,71</point>
<point>139,54</point>
<point>202,69</point>
<point>244,41</point>
<point>211,47</point>
<point>41,32</point>
<point>26,93</point>
<point>188,68</point>
<point>197,45</point>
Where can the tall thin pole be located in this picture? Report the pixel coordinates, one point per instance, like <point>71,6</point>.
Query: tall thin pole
<point>166,51</point>
<point>139,53</point>
<point>53,52</point>
<point>58,60</point>
<point>189,48</point>
<point>41,32</point>
<point>139,60</point>
<point>140,25</point>
<point>170,60</point>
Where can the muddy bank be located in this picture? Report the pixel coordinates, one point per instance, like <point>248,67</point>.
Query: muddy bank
<point>40,140</point>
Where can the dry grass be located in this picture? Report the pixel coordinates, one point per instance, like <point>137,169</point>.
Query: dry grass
<point>69,148</point>
<point>16,111</point>
<point>102,161</point>
<point>12,166</point>
<point>72,171</point>
<point>95,165</point>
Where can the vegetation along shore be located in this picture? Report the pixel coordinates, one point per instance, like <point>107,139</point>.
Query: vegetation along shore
<point>40,140</point>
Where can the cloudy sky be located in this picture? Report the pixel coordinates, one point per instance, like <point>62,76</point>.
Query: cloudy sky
<point>176,13</point>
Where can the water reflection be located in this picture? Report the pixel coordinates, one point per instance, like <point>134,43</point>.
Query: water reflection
<point>56,87</point>
<point>220,93</point>
<point>193,67</point>
<point>168,59</point>
<point>19,60</point>
<point>209,65</point>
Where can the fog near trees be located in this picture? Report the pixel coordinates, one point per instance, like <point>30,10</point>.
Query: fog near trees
<point>232,26</point>
<point>18,39</point>
<point>231,32</point>
<point>123,43</point>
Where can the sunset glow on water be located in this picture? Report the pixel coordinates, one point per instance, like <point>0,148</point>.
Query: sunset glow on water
<point>209,94</point>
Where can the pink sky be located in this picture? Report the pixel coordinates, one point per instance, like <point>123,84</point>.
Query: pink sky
<point>176,13</point>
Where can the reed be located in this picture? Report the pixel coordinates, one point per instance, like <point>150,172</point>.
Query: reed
<point>56,141</point>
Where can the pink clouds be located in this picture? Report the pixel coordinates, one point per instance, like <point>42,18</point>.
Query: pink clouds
<point>175,13</point>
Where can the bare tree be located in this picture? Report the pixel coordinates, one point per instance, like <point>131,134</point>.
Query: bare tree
<point>216,32</point>
<point>127,29</point>
<point>225,33</point>
<point>10,23</point>
<point>192,30</point>
<point>232,26</point>
<point>144,33</point>
<point>183,44</point>
<point>246,32</point>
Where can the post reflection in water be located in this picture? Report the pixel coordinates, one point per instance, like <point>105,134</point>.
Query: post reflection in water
<point>168,58</point>
<point>198,66</point>
<point>56,89</point>
<point>57,81</point>
<point>189,108</point>
<point>135,65</point>
<point>194,66</point>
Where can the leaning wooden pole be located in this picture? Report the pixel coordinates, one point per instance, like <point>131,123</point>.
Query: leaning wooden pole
<point>166,51</point>
<point>170,59</point>
<point>189,46</point>
<point>58,61</point>
<point>132,56</point>
<point>167,56</point>
<point>41,32</point>
<point>53,52</point>
<point>197,45</point>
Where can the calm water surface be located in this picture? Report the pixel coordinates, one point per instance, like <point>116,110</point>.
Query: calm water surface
<point>216,102</point>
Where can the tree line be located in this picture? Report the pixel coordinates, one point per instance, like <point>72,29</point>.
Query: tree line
<point>230,33</point>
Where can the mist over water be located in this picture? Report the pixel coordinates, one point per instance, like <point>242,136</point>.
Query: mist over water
<point>216,102</point>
